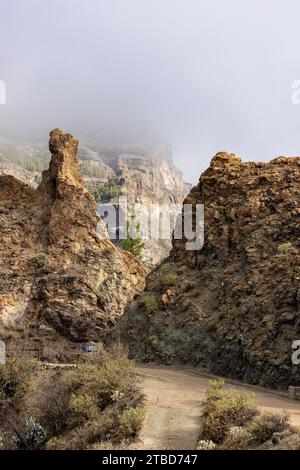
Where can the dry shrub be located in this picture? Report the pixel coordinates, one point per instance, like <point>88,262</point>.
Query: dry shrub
<point>54,403</point>
<point>57,443</point>
<point>223,410</point>
<point>231,421</point>
<point>97,430</point>
<point>15,377</point>
<point>87,403</point>
<point>266,424</point>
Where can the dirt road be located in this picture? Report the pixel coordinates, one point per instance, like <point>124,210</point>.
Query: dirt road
<point>174,403</point>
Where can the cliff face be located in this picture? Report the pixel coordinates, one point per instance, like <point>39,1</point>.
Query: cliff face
<point>54,270</point>
<point>150,181</point>
<point>233,306</point>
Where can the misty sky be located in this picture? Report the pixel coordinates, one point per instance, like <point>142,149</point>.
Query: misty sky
<point>208,75</point>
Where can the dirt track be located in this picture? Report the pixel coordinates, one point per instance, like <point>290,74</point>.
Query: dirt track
<point>174,403</point>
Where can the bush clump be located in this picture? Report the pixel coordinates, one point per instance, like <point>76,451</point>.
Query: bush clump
<point>237,438</point>
<point>16,376</point>
<point>231,421</point>
<point>88,402</point>
<point>149,303</point>
<point>96,402</point>
<point>222,410</point>
<point>131,421</point>
<point>169,279</point>
<point>266,424</point>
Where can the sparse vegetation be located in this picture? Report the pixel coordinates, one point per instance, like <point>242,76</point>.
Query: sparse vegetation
<point>131,421</point>
<point>97,401</point>
<point>266,424</point>
<point>229,310</point>
<point>232,421</point>
<point>169,279</point>
<point>15,378</point>
<point>148,301</point>
<point>284,247</point>
<point>222,410</point>
<point>37,161</point>
<point>38,260</point>
<point>106,192</point>
<point>134,245</point>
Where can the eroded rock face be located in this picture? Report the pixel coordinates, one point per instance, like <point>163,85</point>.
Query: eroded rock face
<point>233,306</point>
<point>54,269</point>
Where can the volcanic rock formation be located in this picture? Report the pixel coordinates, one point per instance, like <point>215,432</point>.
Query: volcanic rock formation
<point>234,305</point>
<point>55,271</point>
<point>144,173</point>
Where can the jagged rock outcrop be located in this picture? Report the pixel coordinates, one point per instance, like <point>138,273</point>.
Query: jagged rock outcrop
<point>234,305</point>
<point>55,272</point>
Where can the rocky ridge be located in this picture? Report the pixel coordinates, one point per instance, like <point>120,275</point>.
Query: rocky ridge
<point>234,305</point>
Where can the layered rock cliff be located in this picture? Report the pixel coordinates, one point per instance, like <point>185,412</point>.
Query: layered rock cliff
<point>150,181</point>
<point>55,272</point>
<point>234,305</point>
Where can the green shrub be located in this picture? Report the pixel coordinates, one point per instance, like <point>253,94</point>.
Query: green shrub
<point>105,193</point>
<point>149,303</point>
<point>229,310</point>
<point>131,421</point>
<point>90,396</point>
<point>134,245</point>
<point>237,438</point>
<point>4,202</point>
<point>231,421</point>
<point>78,406</point>
<point>188,285</point>
<point>169,279</point>
<point>82,407</point>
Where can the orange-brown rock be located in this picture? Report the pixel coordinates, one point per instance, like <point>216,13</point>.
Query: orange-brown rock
<point>237,300</point>
<point>54,268</point>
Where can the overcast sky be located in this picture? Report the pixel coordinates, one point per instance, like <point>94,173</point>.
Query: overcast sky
<point>209,75</point>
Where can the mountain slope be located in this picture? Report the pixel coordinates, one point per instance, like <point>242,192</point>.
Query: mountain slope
<point>233,306</point>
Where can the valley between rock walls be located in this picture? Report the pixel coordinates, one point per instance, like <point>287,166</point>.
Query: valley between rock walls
<point>232,307</point>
